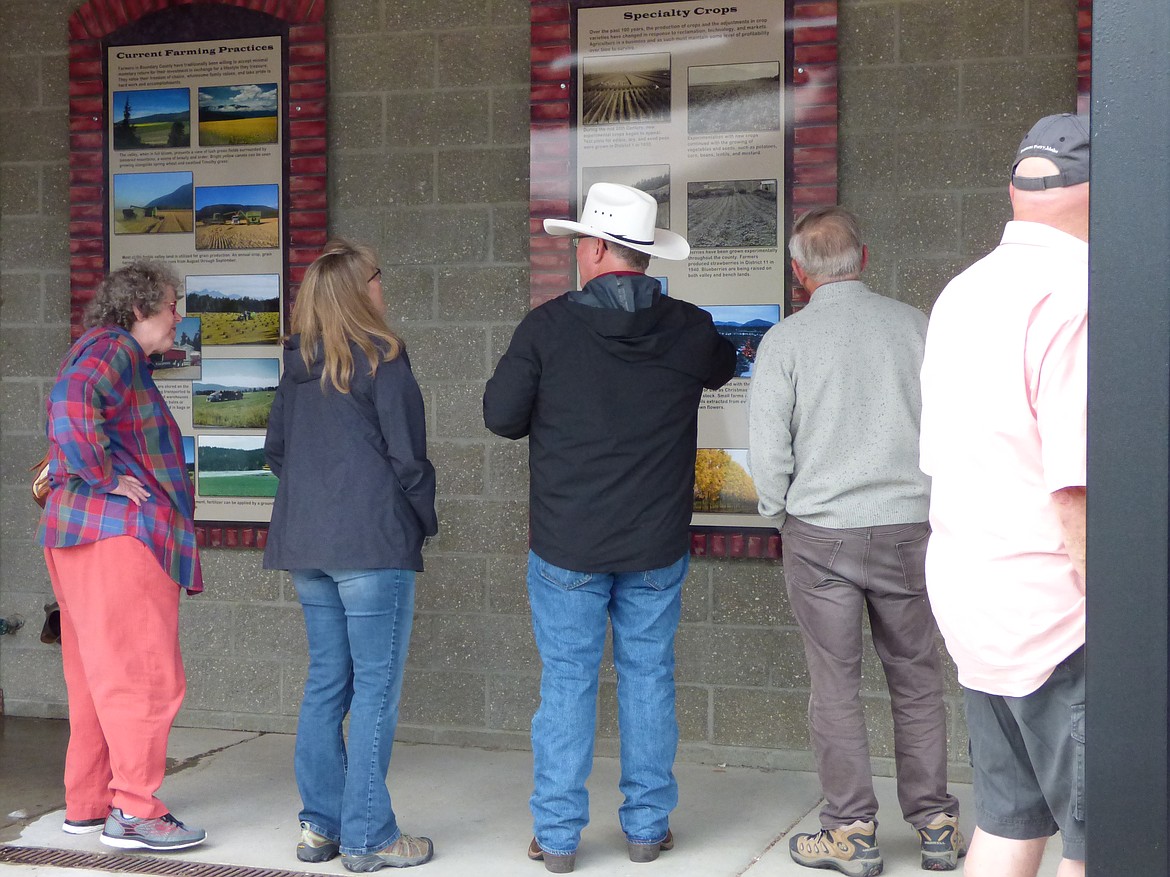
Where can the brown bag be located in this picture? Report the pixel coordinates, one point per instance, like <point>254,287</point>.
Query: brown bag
<point>40,482</point>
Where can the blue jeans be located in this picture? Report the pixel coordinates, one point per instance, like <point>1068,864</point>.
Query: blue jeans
<point>569,614</point>
<point>358,624</point>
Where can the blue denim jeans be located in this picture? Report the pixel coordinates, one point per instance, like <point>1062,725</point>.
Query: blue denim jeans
<point>358,624</point>
<point>569,614</point>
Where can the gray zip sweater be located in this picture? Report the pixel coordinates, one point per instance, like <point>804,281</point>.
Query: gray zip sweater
<point>834,411</point>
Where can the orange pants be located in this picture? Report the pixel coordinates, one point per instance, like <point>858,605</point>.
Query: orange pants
<point>123,672</point>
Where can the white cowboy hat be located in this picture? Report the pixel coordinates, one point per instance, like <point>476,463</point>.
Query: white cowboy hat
<point>624,215</point>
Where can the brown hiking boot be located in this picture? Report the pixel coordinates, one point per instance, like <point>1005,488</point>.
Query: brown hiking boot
<point>851,849</point>
<point>942,843</point>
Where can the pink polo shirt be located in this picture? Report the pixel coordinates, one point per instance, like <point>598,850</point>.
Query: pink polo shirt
<point>1004,392</point>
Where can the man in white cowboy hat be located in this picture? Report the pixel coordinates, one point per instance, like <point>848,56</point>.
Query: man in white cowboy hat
<point>605,381</point>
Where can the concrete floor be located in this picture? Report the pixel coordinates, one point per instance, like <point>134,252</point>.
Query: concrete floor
<point>473,803</point>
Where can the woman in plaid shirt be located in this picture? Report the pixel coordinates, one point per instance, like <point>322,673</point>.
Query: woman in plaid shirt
<point>119,536</point>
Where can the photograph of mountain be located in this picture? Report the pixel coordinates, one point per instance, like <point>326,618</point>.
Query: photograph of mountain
<point>237,217</point>
<point>231,115</point>
<point>153,203</point>
<point>236,308</point>
<point>745,327</point>
<point>153,119</point>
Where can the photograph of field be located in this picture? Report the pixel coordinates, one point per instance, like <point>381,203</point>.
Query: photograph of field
<point>189,456</point>
<point>734,97</point>
<point>184,360</point>
<point>153,203</point>
<point>231,115</point>
<point>625,88</point>
<point>744,326</point>
<point>159,118</point>
<point>235,393</point>
<point>732,213</point>
<point>231,465</point>
<point>653,179</point>
<point>723,483</point>
<point>237,217</point>
<point>236,308</point>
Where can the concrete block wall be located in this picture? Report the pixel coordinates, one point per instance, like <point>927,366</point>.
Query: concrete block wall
<point>428,163</point>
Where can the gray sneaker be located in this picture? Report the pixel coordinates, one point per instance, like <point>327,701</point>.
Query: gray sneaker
<point>83,826</point>
<point>314,847</point>
<point>405,852</point>
<point>161,834</point>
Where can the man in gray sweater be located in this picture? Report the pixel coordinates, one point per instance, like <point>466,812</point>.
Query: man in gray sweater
<point>834,415</point>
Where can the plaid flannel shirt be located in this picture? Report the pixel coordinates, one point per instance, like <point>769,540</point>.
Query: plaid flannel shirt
<point>107,418</point>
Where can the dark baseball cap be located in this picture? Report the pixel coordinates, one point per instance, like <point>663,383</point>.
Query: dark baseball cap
<point>1063,140</point>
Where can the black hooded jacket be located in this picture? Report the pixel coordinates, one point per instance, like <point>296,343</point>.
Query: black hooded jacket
<point>356,488</point>
<point>606,382</point>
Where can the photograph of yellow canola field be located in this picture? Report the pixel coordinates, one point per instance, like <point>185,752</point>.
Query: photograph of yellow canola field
<point>238,115</point>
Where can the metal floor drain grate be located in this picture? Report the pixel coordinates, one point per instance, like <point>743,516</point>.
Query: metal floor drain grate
<point>131,864</point>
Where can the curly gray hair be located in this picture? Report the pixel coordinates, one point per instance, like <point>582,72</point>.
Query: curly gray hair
<point>140,284</point>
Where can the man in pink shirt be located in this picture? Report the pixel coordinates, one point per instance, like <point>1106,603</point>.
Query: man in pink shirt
<point>1004,389</point>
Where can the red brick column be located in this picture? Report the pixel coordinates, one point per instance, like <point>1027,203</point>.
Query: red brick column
<point>305,195</point>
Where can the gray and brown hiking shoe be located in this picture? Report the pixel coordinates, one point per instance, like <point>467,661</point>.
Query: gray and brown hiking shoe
<point>942,843</point>
<point>851,849</point>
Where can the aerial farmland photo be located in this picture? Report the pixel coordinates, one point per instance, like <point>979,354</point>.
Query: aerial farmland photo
<point>233,115</point>
<point>234,465</point>
<point>151,119</point>
<point>237,217</point>
<point>725,98</point>
<point>732,213</point>
<point>235,308</point>
<point>235,393</point>
<point>625,88</point>
<point>153,203</point>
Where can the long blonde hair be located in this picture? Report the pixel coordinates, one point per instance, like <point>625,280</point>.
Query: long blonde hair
<point>333,309</point>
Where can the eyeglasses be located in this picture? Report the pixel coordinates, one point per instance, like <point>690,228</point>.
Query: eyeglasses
<point>174,306</point>
<point>375,276</point>
<point>577,238</point>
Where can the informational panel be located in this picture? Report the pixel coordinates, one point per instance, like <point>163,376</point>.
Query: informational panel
<point>198,140</point>
<point>707,108</point>
<point>195,166</point>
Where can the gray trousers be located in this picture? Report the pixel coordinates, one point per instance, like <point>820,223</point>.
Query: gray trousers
<point>833,576</point>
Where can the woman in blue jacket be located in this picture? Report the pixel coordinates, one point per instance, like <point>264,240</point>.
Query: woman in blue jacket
<point>347,439</point>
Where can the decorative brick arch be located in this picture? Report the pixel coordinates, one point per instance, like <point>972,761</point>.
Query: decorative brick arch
<point>813,119</point>
<point>305,193</point>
